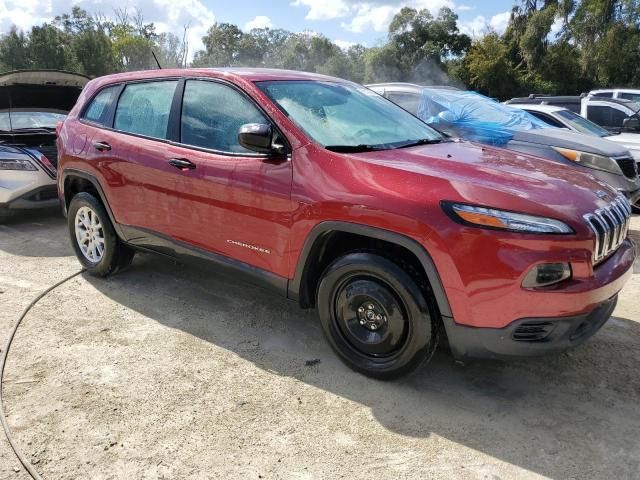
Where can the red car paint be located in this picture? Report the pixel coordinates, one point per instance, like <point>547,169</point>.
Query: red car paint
<point>276,205</point>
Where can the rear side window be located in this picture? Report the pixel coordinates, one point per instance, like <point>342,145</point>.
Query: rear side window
<point>98,109</point>
<point>212,114</point>
<point>603,94</point>
<point>547,119</point>
<point>144,108</point>
<point>408,101</point>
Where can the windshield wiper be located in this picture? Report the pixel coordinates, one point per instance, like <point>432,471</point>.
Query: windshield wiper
<point>31,130</point>
<point>355,148</point>
<point>423,141</point>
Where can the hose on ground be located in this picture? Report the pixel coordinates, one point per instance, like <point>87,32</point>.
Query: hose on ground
<point>5,425</point>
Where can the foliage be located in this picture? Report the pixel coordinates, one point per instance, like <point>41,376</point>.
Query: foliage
<point>555,46</point>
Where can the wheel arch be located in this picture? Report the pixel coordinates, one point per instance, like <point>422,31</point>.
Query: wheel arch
<point>302,287</point>
<point>76,181</point>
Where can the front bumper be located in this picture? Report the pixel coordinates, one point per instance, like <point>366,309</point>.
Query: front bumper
<point>545,320</point>
<point>528,337</point>
<point>40,198</point>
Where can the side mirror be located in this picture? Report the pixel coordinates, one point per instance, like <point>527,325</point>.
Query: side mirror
<point>259,137</point>
<point>631,124</point>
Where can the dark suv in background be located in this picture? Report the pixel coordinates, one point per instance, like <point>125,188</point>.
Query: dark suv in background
<point>336,198</point>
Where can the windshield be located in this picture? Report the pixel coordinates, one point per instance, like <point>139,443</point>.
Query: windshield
<point>348,116</point>
<point>30,118</point>
<point>581,124</point>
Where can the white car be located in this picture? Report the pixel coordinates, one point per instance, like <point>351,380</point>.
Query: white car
<point>563,118</point>
<point>626,93</point>
<point>32,102</point>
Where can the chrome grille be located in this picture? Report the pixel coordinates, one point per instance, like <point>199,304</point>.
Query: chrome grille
<point>610,226</point>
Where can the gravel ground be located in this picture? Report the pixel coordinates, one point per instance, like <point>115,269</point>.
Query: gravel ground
<point>169,372</point>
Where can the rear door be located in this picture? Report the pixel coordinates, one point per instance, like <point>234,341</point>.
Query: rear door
<point>239,202</point>
<point>133,155</point>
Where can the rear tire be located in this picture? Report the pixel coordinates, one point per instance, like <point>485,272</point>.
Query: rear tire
<point>375,316</point>
<point>94,239</point>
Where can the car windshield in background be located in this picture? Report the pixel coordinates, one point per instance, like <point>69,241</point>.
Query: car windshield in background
<point>345,117</point>
<point>28,119</point>
<point>583,125</point>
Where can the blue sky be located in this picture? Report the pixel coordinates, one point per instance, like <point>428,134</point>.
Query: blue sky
<point>343,21</point>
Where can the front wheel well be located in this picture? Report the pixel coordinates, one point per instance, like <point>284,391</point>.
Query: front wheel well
<point>332,245</point>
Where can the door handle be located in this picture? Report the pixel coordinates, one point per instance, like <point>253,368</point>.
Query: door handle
<point>182,163</point>
<point>102,146</point>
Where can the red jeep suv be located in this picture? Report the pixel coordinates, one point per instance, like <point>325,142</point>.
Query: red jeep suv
<point>335,197</point>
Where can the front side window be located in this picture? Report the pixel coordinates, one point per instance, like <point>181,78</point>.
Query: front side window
<point>547,119</point>
<point>581,124</point>
<point>98,109</point>
<point>630,96</point>
<point>144,108</point>
<point>603,94</point>
<point>212,114</point>
<point>347,117</point>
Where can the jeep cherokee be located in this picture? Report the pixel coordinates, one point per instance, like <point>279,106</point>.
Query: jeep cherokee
<point>337,198</point>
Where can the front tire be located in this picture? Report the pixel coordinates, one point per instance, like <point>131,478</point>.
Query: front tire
<point>94,239</point>
<point>375,316</point>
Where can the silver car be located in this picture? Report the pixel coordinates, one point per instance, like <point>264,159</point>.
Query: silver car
<point>610,162</point>
<point>32,102</point>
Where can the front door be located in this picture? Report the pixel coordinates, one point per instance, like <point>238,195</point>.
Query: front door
<point>234,202</point>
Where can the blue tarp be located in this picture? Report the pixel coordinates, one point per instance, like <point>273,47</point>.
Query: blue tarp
<point>474,117</point>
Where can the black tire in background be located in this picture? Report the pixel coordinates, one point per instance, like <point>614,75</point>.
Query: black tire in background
<point>115,255</point>
<point>375,316</point>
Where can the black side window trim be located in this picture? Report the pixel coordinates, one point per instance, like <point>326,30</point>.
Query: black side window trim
<point>173,128</point>
<point>244,94</point>
<point>110,110</point>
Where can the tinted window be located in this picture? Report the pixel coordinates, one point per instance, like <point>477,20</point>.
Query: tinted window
<point>603,94</point>
<point>630,96</point>
<point>212,115</point>
<point>407,101</point>
<point>547,119</point>
<point>98,109</point>
<point>144,108</point>
<point>605,116</point>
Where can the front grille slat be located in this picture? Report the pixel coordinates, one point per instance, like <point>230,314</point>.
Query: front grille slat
<point>610,226</point>
<point>628,166</point>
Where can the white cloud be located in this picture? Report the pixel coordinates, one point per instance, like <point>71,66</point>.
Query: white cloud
<point>500,21</point>
<point>363,15</point>
<point>464,8</point>
<point>259,22</point>
<point>344,44</point>
<point>167,15</point>
<point>324,9</point>
<point>480,24</point>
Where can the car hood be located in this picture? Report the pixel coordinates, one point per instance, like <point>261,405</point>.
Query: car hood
<point>559,137</point>
<point>630,141</point>
<point>501,178</point>
<point>40,89</point>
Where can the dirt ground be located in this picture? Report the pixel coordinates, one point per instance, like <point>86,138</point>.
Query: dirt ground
<point>169,372</point>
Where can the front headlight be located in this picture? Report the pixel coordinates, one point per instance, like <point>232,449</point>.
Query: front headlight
<point>590,160</point>
<point>477,216</point>
<point>16,164</point>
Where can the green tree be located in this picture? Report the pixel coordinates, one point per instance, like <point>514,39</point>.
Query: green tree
<point>14,53</point>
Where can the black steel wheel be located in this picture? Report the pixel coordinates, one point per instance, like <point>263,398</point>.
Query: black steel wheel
<point>375,315</point>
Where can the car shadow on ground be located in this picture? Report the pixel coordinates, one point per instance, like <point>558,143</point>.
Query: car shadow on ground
<point>26,239</point>
<point>576,410</point>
